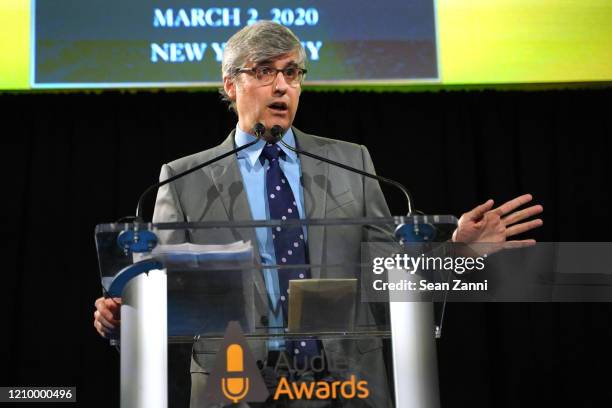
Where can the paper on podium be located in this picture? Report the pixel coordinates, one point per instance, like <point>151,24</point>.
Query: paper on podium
<point>322,305</point>
<point>196,256</point>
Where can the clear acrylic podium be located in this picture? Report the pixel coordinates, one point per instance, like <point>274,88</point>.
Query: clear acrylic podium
<point>184,282</point>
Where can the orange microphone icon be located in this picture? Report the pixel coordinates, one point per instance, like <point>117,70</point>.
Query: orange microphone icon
<point>235,387</point>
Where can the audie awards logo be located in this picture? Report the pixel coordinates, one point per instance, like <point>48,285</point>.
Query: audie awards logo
<point>235,376</point>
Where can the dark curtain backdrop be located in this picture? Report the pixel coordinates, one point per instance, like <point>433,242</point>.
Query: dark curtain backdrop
<point>71,161</point>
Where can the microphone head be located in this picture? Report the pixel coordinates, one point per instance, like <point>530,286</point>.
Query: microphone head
<point>259,129</point>
<point>277,133</point>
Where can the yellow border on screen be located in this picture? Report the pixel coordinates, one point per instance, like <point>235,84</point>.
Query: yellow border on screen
<point>14,44</point>
<point>524,41</point>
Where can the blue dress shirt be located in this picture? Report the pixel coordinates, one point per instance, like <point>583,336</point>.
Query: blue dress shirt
<point>254,181</point>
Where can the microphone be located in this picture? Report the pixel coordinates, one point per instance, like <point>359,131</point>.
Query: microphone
<point>259,130</point>
<point>234,388</point>
<point>277,133</point>
<point>277,136</point>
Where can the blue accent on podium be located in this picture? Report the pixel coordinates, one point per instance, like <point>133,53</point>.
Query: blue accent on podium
<point>417,232</point>
<point>129,272</point>
<point>137,241</point>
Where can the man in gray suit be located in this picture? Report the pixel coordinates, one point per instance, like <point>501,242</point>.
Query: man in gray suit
<point>263,69</point>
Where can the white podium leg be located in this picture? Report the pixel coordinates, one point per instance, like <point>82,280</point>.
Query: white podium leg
<point>144,342</point>
<point>415,369</point>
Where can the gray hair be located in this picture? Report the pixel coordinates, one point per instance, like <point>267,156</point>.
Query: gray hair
<point>261,41</point>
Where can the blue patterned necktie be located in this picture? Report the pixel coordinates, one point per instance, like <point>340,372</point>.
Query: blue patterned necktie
<point>289,243</point>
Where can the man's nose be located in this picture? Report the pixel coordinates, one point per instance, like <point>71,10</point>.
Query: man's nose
<point>280,84</point>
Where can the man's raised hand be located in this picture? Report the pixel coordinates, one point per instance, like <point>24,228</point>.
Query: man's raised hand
<point>488,225</point>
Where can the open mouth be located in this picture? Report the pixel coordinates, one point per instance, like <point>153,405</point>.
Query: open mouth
<point>278,106</point>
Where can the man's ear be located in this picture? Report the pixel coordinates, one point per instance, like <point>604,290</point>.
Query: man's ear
<point>229,85</point>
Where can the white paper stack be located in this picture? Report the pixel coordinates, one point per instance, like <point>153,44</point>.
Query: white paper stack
<point>196,256</point>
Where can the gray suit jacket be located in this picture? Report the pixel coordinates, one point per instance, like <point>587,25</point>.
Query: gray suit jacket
<point>216,193</point>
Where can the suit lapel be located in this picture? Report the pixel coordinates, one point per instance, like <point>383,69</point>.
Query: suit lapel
<point>228,181</point>
<point>314,182</point>
<point>227,178</point>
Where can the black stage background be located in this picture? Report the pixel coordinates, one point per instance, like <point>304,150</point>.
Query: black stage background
<point>71,161</point>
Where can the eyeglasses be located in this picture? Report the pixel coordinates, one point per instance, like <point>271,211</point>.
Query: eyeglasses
<point>266,74</point>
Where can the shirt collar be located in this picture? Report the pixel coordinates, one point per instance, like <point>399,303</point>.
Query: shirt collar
<point>252,153</point>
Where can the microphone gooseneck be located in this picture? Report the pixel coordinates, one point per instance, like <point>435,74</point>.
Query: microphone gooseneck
<point>277,136</point>
<point>258,130</point>
<point>404,232</point>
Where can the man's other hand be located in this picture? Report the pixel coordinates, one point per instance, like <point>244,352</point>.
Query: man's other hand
<point>485,224</point>
<point>107,316</point>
